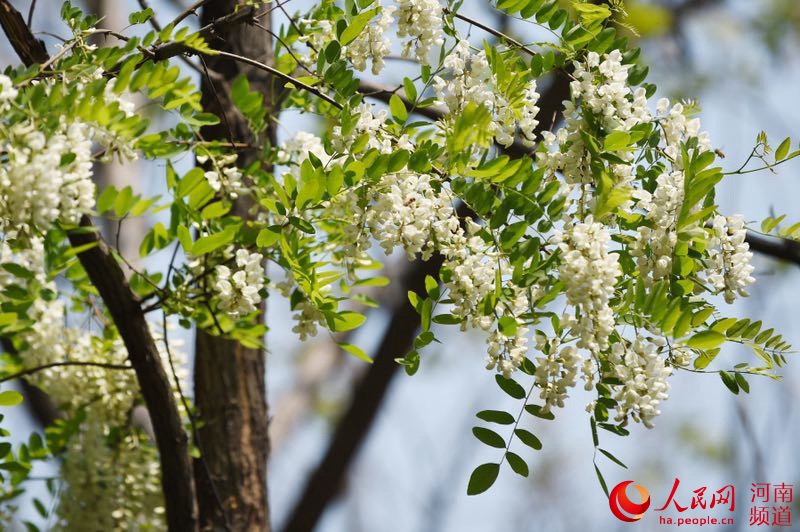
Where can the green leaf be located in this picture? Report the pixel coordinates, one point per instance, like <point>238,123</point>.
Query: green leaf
<point>482,478</point>
<point>356,26</point>
<point>770,223</point>
<point>373,281</point>
<point>212,242</point>
<point>706,340</point>
<point>510,386</point>
<point>536,410</point>
<point>701,316</point>
<point>601,480</point>
<point>189,181</point>
<point>507,325</point>
<point>489,437</point>
<point>355,350</point>
<point>496,416</point>
<point>613,458</point>
<point>268,236</point>
<point>7,318</point>
<point>105,201</point>
<point>10,398</point>
<point>432,287</point>
<point>124,201</point>
<point>742,382</point>
<point>729,381</point>
<point>705,359</point>
<point>346,321</point>
<point>783,149</point>
<point>529,439</point>
<point>425,312</point>
<point>411,90</point>
<point>398,108</point>
<point>617,141</point>
<point>18,270</point>
<point>591,14</point>
<point>414,299</point>
<point>517,464</point>
<point>447,319</point>
<point>214,210</point>
<point>141,206</point>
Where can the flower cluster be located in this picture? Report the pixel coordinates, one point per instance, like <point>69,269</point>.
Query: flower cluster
<point>224,177</point>
<point>308,317</point>
<point>372,43</point>
<point>589,272</point>
<point>678,128</point>
<point>655,243</point>
<point>46,178</point>
<point>472,81</point>
<point>508,349</point>
<point>7,92</point>
<point>421,21</point>
<point>127,468</point>
<point>128,472</point>
<point>316,35</point>
<point>370,123</point>
<point>239,293</point>
<point>730,256</point>
<point>644,379</point>
<point>600,88</point>
<point>556,370</point>
<point>418,21</point>
<point>410,213</point>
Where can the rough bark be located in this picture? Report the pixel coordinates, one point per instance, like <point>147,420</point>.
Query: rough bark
<point>229,378</point>
<point>29,49</point>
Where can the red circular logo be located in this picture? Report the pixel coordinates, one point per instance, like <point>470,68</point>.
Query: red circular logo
<point>623,508</point>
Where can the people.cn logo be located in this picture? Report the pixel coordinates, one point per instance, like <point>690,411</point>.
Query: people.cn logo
<point>625,509</point>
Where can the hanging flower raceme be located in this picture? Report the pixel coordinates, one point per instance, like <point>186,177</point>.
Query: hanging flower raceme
<point>589,272</point>
<point>473,81</point>
<point>239,291</point>
<point>47,177</point>
<point>421,22</point>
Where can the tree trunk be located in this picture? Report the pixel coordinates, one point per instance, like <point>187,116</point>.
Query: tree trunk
<point>229,379</point>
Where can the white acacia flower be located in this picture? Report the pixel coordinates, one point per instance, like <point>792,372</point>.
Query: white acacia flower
<point>644,377</point>
<point>239,292</point>
<point>421,21</point>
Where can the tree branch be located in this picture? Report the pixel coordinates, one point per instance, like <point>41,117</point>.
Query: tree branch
<point>30,49</point>
<point>38,402</point>
<point>31,371</point>
<point>125,308</point>
<point>229,378</point>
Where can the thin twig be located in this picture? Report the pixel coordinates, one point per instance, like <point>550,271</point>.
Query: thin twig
<point>192,422</point>
<point>36,369</point>
<point>30,13</point>
<point>496,33</point>
<point>191,10</point>
<point>286,77</point>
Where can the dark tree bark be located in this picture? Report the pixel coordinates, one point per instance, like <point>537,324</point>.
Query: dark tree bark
<point>229,378</point>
